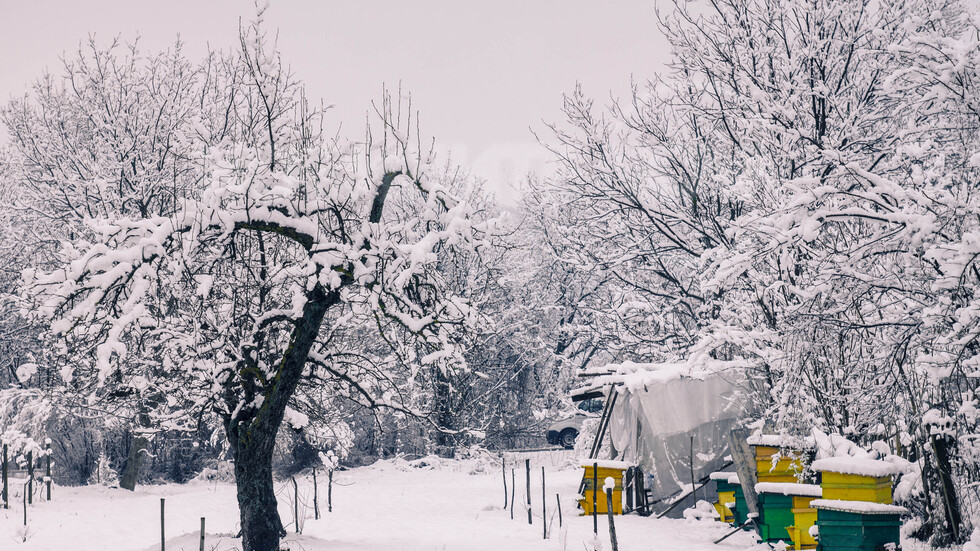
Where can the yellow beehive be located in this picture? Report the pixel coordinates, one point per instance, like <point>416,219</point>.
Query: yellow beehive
<point>613,469</point>
<point>724,513</point>
<point>856,479</point>
<point>853,487</point>
<point>785,469</point>
<point>803,519</point>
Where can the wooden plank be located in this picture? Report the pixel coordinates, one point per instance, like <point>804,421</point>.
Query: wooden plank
<point>744,461</point>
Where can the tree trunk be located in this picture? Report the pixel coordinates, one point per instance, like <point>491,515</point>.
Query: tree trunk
<point>257,505</point>
<point>252,432</point>
<point>134,461</point>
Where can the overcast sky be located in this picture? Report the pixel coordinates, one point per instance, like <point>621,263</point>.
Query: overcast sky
<point>483,74</point>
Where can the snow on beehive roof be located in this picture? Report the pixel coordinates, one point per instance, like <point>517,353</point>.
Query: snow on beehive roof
<point>782,441</point>
<point>863,507</point>
<point>606,463</point>
<point>720,475</point>
<point>789,489</point>
<point>858,466</point>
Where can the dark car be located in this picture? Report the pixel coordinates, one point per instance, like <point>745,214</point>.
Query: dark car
<point>563,433</point>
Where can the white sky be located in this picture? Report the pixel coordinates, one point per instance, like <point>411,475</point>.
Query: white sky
<point>482,73</point>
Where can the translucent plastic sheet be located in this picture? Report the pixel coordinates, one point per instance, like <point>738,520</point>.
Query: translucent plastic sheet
<point>653,428</point>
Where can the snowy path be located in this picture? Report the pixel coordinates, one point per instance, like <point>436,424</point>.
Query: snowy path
<point>385,507</point>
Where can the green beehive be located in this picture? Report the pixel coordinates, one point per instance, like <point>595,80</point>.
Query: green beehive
<point>775,515</point>
<point>741,509</point>
<point>857,525</point>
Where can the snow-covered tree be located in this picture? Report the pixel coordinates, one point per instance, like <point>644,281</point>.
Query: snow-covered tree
<point>794,198</point>
<point>247,285</point>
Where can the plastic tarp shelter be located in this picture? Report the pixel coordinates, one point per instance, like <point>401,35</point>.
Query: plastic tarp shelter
<point>652,427</point>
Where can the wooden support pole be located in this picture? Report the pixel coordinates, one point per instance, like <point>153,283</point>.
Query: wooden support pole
<point>513,486</point>
<point>612,525</point>
<point>503,471</point>
<point>745,467</point>
<point>163,532</point>
<point>25,504</point>
<point>527,469</point>
<point>595,506</point>
<point>330,491</point>
<point>202,533</point>
<point>558,501</point>
<point>47,468</point>
<point>544,508</point>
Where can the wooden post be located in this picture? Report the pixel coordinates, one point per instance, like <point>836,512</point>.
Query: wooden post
<point>513,487</point>
<point>694,481</point>
<point>503,471</point>
<point>6,494</point>
<point>330,491</point>
<point>316,502</point>
<point>25,504</point>
<point>745,467</point>
<point>595,507</point>
<point>163,534</point>
<point>295,504</point>
<point>558,501</point>
<point>544,507</point>
<point>202,533</point>
<point>527,469</point>
<point>47,468</point>
<point>612,526</point>
<point>30,477</point>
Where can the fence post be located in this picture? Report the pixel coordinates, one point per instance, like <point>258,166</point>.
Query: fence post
<point>527,468</point>
<point>558,501</point>
<point>6,494</point>
<point>163,535</point>
<point>316,501</point>
<point>513,492</point>
<point>544,507</point>
<point>612,527</point>
<point>295,503</point>
<point>202,533</point>
<point>330,491</point>
<point>47,468</point>
<point>30,477</point>
<point>503,471</point>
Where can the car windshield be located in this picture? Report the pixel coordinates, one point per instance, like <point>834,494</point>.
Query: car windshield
<point>592,405</point>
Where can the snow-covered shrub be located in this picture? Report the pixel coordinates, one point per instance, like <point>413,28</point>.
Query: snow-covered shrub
<point>104,474</point>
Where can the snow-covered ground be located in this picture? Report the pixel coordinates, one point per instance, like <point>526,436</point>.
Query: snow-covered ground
<point>393,505</point>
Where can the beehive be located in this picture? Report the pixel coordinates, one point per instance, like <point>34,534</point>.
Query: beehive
<point>856,479</point>
<point>606,469</point>
<point>785,512</point>
<point>726,494</point>
<point>785,468</point>
<point>857,525</point>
